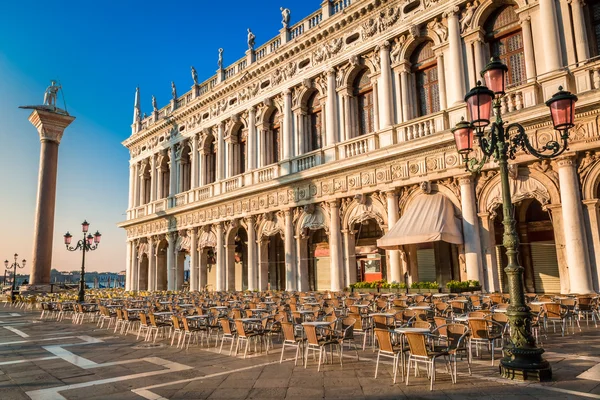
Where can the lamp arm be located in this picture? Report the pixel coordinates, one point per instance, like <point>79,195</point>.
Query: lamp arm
<point>77,247</point>
<point>474,166</point>
<point>489,146</point>
<point>551,149</point>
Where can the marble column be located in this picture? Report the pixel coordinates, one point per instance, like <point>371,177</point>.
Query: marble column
<point>480,59</point>
<point>229,266</point>
<point>488,240</point>
<point>171,239</point>
<point>172,171</point>
<point>142,178</point>
<point>252,259</point>
<point>251,142</point>
<point>287,125</point>
<point>220,257</point>
<point>550,37</point>
<point>386,102</point>
<point>574,228</point>
<point>220,175</point>
<point>128,263</point>
<point>350,256</point>
<point>579,24</point>
<point>153,178</point>
<point>132,175</point>
<point>331,112</point>
<point>203,269</point>
<point>472,75</point>
<point>335,247</point>
<point>151,264</point>
<point>135,270</point>
<point>528,50</point>
<point>404,81</point>
<point>192,233</point>
<point>442,81</point>
<point>290,256</point>
<point>395,270</point>
<point>471,229</point>
<point>593,233</point>
<point>50,127</point>
<point>456,77</point>
<point>194,160</point>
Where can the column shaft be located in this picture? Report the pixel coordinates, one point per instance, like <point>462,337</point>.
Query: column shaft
<point>471,230</point>
<point>550,38</point>
<point>171,238</point>
<point>581,41</point>
<point>386,102</point>
<point>335,247</point>
<point>442,81</point>
<point>287,125</point>
<point>252,260</point>
<point>530,69</point>
<point>395,269</point>
<point>331,110</point>
<point>220,257</point>
<point>193,259</point>
<point>128,270</point>
<point>406,116</point>
<point>251,139</point>
<point>220,152</point>
<point>290,256</point>
<point>456,64</point>
<point>194,161</point>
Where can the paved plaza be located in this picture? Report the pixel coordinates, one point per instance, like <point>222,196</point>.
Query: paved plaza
<point>41,359</point>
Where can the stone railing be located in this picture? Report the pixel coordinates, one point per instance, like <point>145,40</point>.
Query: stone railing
<point>297,30</point>
<point>140,212</point>
<point>268,48</point>
<point>357,146</point>
<point>204,192</point>
<point>229,72</point>
<point>266,173</point>
<point>314,19</point>
<point>159,205</point>
<point>231,184</point>
<point>180,199</point>
<point>308,160</point>
<point>339,6</point>
<point>423,126</point>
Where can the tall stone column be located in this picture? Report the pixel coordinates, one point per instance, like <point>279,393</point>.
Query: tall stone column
<point>386,102</point>
<point>50,127</point>
<point>172,171</point>
<point>331,110</point>
<point>220,257</point>
<point>142,178</point>
<point>192,233</point>
<point>593,235</point>
<point>442,81</point>
<point>580,276</point>
<point>550,38</point>
<point>171,239</point>
<point>229,266</point>
<point>471,229</point>
<point>480,61</point>
<point>252,259</point>
<point>581,41</point>
<point>135,266</point>
<point>251,157</point>
<point>290,256</point>
<point>395,270</point>
<point>349,256</point>
<point>488,239</point>
<point>128,271</point>
<point>203,269</point>
<point>220,152</point>
<point>530,69</point>
<point>455,59</point>
<point>406,114</point>
<point>335,247</point>
<point>153,178</point>
<point>151,264</point>
<point>132,174</point>
<point>194,156</point>
<point>287,125</point>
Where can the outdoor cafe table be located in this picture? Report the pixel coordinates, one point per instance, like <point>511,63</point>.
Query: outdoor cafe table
<point>411,330</point>
<point>419,308</point>
<point>317,323</point>
<point>134,310</point>
<point>540,303</point>
<point>440,295</point>
<point>461,318</point>
<point>499,310</point>
<point>164,314</point>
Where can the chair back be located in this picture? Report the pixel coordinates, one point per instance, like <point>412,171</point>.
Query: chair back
<point>479,328</point>
<point>186,326</point>
<point>175,321</point>
<point>440,321</point>
<point>554,310</point>
<point>417,344</point>
<point>143,319</point>
<point>384,340</point>
<point>421,324</point>
<point>239,327</point>
<point>380,322</point>
<point>224,322</point>
<point>311,334</point>
<point>454,333</point>
<point>288,331</point>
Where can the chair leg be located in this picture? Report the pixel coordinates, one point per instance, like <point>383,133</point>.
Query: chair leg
<point>377,364</point>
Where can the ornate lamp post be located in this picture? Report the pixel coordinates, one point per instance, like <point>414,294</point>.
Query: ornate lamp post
<point>14,267</point>
<point>524,359</point>
<point>88,243</point>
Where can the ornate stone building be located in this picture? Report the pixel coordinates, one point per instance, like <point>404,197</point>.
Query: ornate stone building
<point>284,169</point>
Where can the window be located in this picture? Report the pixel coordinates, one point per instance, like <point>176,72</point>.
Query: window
<point>211,162</point>
<point>425,72</point>
<point>594,15</point>
<point>239,151</point>
<point>314,123</point>
<point>505,38</point>
<point>363,91</point>
<point>273,140</point>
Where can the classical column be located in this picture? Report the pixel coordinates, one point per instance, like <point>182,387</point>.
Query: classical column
<point>287,125</point>
<point>331,110</point>
<point>251,142</point>
<point>263,263</point>
<point>142,178</point>
<point>335,247</point>
<point>153,178</point>
<point>192,233</point>
<point>161,174</point>
<point>135,266</point>
<point>220,152</point>
<point>229,266</point>
<point>220,259</point>
<point>349,256</point>
<point>581,41</point>
<point>472,75</point>
<point>395,270</point>
<point>470,229</point>
<point>480,61</point>
<point>574,228</point>
<point>301,263</point>
<point>132,175</point>
<point>386,102</point>
<point>550,38</point>
<point>252,260</point>
<point>151,264</point>
<point>455,59</point>
<point>530,69</point>
<point>593,234</point>
<point>128,271</point>
<point>406,116</point>
<point>441,80</point>
<point>171,239</point>
<point>172,171</point>
<point>194,160</point>
<point>50,127</point>
<point>203,269</point>
<point>290,256</point>
<point>488,241</point>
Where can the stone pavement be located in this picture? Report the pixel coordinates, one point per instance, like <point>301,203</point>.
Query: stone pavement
<point>50,360</point>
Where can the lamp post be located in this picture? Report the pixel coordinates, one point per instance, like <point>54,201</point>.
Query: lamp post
<point>88,243</point>
<point>14,267</point>
<point>523,358</point>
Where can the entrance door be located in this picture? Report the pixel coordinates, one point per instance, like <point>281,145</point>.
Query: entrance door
<point>545,267</point>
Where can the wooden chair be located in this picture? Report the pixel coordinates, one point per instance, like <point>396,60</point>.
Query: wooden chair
<point>386,349</point>
<point>315,344</point>
<point>486,332</point>
<point>420,352</point>
<point>290,339</point>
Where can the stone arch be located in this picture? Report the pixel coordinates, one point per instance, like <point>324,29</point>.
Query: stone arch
<point>412,43</point>
<point>439,187</point>
<point>268,111</point>
<point>206,139</point>
<point>207,237</point>
<point>313,218</point>
<point>486,9</point>
<point>356,69</point>
<point>533,185</point>
<point>305,95</point>
<point>183,243</point>
<point>362,208</point>
<point>233,228</point>
<point>591,182</point>
<point>270,224</point>
<point>233,126</point>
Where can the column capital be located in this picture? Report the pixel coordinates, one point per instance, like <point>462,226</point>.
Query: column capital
<point>333,203</point>
<point>452,12</point>
<point>569,160</point>
<point>192,231</point>
<point>50,125</point>
<point>591,203</point>
<point>465,179</point>
<point>250,219</point>
<point>331,71</point>
<point>391,193</point>
<point>385,45</point>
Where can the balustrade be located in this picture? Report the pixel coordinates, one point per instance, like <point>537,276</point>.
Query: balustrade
<point>232,184</point>
<point>359,145</point>
<point>204,192</point>
<point>315,19</point>
<point>307,161</point>
<point>340,5</point>
<point>266,174</point>
<point>424,126</point>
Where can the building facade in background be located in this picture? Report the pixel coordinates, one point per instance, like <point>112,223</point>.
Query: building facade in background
<point>284,169</point>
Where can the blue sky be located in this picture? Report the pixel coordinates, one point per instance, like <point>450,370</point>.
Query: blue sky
<point>100,51</point>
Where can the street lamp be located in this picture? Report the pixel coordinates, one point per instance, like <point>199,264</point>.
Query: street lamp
<point>88,243</point>
<point>14,267</point>
<point>524,359</point>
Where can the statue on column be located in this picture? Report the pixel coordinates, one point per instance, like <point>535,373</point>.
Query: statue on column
<point>220,60</point>
<point>194,75</point>
<point>51,93</point>
<point>251,40</point>
<point>154,106</point>
<point>285,16</point>
<point>173,91</point>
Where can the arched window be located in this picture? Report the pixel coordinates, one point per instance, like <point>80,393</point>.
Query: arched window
<point>314,123</point>
<point>273,155</point>
<point>505,38</point>
<point>594,25</point>
<point>424,67</point>
<point>211,161</point>
<point>186,170</point>
<point>363,91</point>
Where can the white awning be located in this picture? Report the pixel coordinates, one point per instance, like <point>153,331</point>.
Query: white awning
<point>430,218</point>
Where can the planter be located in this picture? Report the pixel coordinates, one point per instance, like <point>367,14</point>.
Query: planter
<point>465,290</point>
<point>424,291</point>
<point>365,290</point>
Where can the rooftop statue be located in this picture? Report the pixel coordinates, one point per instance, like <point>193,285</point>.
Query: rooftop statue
<point>285,16</point>
<point>173,91</point>
<point>154,106</point>
<point>251,39</point>
<point>51,93</point>
<point>194,75</point>
<point>220,60</point>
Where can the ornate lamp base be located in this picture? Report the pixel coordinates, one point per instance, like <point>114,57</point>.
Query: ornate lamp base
<point>525,364</point>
